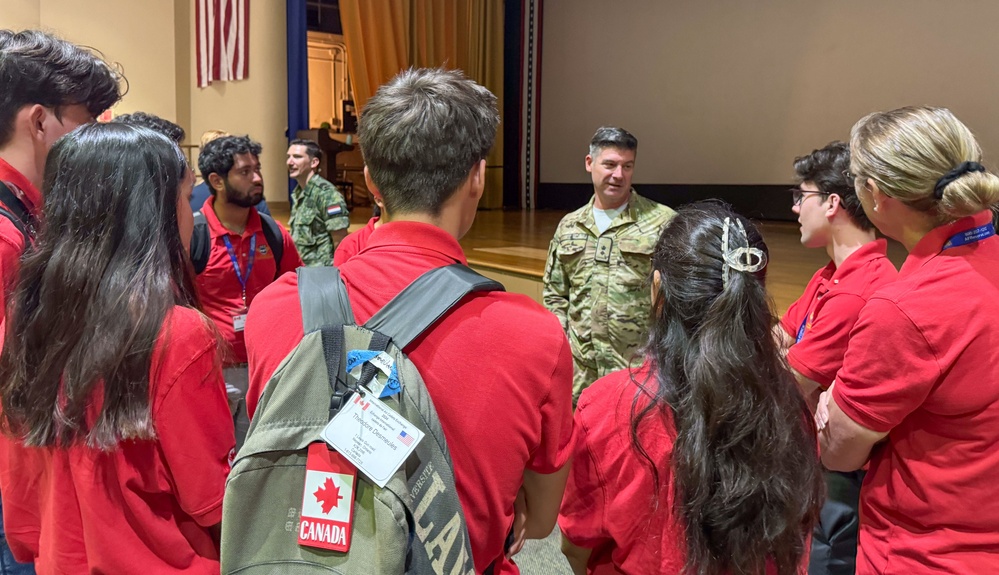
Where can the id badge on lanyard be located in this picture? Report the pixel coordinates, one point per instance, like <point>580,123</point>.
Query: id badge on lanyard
<point>239,319</point>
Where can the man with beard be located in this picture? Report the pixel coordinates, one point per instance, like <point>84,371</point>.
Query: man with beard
<point>318,212</point>
<point>242,260</point>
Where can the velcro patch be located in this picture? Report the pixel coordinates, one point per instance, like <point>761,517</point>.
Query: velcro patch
<point>334,210</point>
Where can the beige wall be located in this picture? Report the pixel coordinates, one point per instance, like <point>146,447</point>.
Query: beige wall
<point>137,35</point>
<point>729,91</point>
<point>153,41</point>
<point>257,106</point>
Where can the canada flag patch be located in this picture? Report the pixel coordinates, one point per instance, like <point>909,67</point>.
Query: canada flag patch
<point>334,210</point>
<point>328,500</point>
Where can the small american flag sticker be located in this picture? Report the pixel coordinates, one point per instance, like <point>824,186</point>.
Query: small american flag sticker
<point>405,438</point>
<point>333,210</point>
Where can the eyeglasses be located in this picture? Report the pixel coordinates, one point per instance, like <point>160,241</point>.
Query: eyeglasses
<point>798,195</point>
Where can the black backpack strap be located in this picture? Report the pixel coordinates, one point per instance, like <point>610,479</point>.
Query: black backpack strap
<point>14,210</point>
<point>323,297</point>
<point>426,300</point>
<point>200,243</point>
<point>272,233</point>
<point>17,224</point>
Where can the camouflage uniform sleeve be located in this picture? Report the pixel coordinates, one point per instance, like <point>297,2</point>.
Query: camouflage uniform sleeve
<point>556,285</point>
<point>334,209</point>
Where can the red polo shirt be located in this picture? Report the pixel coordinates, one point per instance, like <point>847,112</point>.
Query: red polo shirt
<point>611,504</point>
<point>923,366</point>
<point>218,286</point>
<point>11,239</point>
<point>498,368</point>
<point>145,505</point>
<point>353,243</point>
<point>829,308</point>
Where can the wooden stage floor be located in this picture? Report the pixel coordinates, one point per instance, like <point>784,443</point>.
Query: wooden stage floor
<point>515,243</point>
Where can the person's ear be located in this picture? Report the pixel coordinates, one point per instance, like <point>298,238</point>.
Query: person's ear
<point>216,182</point>
<point>589,163</point>
<point>834,203</point>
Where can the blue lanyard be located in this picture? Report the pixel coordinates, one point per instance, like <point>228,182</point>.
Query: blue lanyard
<point>970,236</point>
<point>235,261</point>
<point>801,330</point>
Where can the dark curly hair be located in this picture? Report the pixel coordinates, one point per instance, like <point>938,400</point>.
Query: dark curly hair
<point>38,68</point>
<point>154,123</point>
<point>218,156</point>
<point>828,169</point>
<point>746,475</point>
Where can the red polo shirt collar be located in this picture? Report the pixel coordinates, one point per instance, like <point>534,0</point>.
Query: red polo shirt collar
<point>859,258</point>
<point>416,236</point>
<point>932,243</point>
<point>217,230</point>
<point>32,197</point>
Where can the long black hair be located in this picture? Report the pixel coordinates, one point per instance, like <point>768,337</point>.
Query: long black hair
<point>747,483</point>
<point>108,265</point>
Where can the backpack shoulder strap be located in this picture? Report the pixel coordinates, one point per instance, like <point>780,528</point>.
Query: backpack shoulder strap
<point>14,210</point>
<point>323,297</point>
<point>272,233</point>
<point>426,300</point>
<point>200,243</point>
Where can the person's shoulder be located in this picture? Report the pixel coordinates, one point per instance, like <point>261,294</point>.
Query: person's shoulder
<point>508,313</point>
<point>187,324</point>
<point>575,216</point>
<point>651,209</point>
<point>613,393</point>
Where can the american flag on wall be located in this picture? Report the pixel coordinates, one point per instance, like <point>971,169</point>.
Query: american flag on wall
<point>223,43</point>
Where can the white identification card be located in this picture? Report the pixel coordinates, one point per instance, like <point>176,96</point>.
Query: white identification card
<point>238,322</point>
<point>374,438</point>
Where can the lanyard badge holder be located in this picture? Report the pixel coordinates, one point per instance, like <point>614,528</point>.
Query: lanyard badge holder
<point>239,319</point>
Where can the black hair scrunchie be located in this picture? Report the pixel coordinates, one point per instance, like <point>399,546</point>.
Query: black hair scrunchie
<point>964,168</point>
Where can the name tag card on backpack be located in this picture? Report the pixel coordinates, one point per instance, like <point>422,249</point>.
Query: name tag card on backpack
<point>373,437</point>
<point>328,500</point>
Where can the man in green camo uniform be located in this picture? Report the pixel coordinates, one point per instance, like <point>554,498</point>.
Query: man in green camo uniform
<point>596,279</point>
<point>319,217</point>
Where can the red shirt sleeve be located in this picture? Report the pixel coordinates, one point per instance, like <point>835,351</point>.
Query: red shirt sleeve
<point>557,437</point>
<point>582,515</point>
<point>888,371</point>
<point>196,437</point>
<point>290,259</point>
<point>819,354</point>
<point>793,317</point>
<point>20,473</point>
<point>271,332</point>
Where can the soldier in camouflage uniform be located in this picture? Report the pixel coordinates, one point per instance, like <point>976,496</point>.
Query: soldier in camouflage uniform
<point>600,260</point>
<point>319,216</point>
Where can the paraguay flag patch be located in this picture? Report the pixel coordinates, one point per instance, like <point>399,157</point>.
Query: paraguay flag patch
<point>334,210</point>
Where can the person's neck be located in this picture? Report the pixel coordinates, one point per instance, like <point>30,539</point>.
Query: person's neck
<point>22,159</point>
<point>304,180</point>
<point>597,205</point>
<point>847,239</point>
<point>232,217</point>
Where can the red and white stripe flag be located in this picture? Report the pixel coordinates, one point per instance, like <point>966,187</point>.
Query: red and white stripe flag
<point>223,43</point>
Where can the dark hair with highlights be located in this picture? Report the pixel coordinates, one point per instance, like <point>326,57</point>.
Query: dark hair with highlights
<point>827,168</point>
<point>746,475</point>
<point>154,123</point>
<point>612,137</point>
<point>421,134</point>
<point>93,293</point>
<point>311,148</point>
<point>38,68</point>
<point>218,156</point>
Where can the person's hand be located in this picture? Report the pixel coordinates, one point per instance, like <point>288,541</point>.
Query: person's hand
<point>519,524</point>
<point>822,409</point>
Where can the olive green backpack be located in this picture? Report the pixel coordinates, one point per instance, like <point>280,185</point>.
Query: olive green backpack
<point>413,525</point>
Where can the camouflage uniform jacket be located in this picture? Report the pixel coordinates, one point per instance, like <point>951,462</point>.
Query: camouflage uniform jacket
<point>315,212</point>
<point>597,285</point>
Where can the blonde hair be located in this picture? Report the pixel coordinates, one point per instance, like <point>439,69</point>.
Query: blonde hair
<point>906,152</point>
<point>210,135</point>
